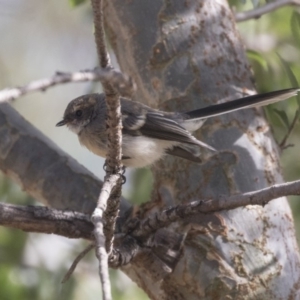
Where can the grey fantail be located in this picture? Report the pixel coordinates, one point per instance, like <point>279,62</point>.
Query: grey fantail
<point>149,134</point>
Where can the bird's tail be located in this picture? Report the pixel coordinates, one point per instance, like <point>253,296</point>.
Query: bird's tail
<point>241,103</point>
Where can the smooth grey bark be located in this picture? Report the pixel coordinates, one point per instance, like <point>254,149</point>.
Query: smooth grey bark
<point>184,55</point>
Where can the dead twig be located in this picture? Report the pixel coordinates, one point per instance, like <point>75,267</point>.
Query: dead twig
<point>80,256</point>
<point>258,12</point>
<point>106,212</point>
<point>122,83</point>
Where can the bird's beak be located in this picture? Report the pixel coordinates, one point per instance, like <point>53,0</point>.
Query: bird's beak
<point>61,123</point>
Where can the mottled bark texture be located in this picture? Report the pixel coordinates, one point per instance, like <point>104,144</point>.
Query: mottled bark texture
<point>185,55</point>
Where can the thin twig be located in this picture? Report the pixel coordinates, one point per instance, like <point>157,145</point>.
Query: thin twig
<point>283,145</point>
<point>258,12</point>
<point>114,127</point>
<point>102,52</point>
<point>122,83</point>
<point>106,211</point>
<point>113,166</point>
<point>97,219</point>
<point>79,257</point>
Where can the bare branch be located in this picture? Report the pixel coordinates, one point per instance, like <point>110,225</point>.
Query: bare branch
<point>111,189</point>
<point>122,83</point>
<point>164,218</point>
<point>113,166</point>
<point>109,198</point>
<point>102,52</point>
<point>77,225</point>
<point>114,127</point>
<point>69,224</point>
<point>258,12</point>
<point>97,219</point>
<point>45,220</point>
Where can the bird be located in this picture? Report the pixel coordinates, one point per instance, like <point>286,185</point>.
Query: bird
<point>149,134</point>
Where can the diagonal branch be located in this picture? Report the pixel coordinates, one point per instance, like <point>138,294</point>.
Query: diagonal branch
<point>164,218</point>
<point>79,257</point>
<point>258,12</point>
<point>121,83</point>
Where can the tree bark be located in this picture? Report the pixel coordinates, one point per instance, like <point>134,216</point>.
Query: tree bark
<point>184,55</point>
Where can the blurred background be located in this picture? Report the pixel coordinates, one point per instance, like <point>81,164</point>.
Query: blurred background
<point>39,38</point>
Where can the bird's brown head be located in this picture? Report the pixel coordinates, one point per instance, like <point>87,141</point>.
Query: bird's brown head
<point>79,112</point>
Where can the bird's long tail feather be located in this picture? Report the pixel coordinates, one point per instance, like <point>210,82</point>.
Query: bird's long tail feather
<point>242,103</point>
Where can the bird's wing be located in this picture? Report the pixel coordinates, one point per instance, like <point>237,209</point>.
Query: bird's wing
<point>184,153</point>
<point>141,120</point>
<point>133,122</point>
<point>159,126</point>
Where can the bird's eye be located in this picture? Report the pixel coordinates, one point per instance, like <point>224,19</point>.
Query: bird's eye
<point>78,113</point>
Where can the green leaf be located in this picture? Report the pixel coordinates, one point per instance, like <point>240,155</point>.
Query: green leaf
<point>295,26</point>
<point>282,117</point>
<point>291,76</point>
<point>75,3</point>
<point>258,57</point>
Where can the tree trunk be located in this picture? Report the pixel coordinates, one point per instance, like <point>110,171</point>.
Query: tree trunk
<point>185,55</point>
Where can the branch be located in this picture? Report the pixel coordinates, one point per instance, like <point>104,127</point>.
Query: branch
<point>97,219</point>
<point>77,225</point>
<point>41,219</point>
<point>122,83</point>
<point>109,199</point>
<point>258,12</point>
<point>102,52</point>
<point>114,167</point>
<point>164,218</point>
